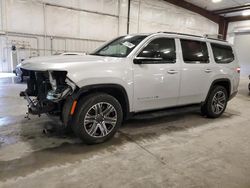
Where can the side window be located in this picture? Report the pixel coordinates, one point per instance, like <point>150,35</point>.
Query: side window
<point>194,51</point>
<point>161,49</point>
<point>222,53</point>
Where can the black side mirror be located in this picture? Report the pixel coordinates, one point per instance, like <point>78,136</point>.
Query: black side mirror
<point>137,60</point>
<point>146,60</point>
<point>148,53</point>
<point>146,56</point>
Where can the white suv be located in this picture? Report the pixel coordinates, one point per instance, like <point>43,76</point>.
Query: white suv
<point>94,93</point>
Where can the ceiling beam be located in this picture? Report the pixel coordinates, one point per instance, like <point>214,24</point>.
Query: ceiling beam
<point>237,18</point>
<point>232,9</point>
<point>196,9</point>
<point>214,15</point>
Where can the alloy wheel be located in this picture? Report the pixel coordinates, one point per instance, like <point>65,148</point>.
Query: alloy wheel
<point>100,119</point>
<point>219,102</point>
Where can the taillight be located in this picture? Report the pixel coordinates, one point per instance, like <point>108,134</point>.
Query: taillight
<point>238,69</point>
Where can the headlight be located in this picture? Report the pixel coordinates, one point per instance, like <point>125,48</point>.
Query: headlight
<point>61,86</point>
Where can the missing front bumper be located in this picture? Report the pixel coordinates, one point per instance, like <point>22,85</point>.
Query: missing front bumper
<point>37,107</point>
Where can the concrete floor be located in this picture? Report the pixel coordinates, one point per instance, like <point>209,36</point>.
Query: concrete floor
<point>184,150</point>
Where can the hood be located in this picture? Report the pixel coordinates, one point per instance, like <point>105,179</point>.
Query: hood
<point>64,63</point>
<point>80,69</point>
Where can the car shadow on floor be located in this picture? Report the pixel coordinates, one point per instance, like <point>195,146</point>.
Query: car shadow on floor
<point>57,148</point>
<point>136,128</point>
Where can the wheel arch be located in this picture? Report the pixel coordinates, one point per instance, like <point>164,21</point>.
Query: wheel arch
<point>115,90</point>
<point>225,82</point>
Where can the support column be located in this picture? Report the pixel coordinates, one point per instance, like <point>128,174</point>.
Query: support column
<point>223,27</point>
<point>128,19</point>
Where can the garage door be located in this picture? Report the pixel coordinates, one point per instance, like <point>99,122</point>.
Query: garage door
<point>242,44</point>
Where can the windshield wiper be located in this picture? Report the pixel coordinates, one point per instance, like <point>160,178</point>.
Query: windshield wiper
<point>99,55</point>
<point>109,55</point>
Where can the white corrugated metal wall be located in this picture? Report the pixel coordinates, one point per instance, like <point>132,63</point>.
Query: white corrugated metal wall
<point>44,27</point>
<point>153,16</point>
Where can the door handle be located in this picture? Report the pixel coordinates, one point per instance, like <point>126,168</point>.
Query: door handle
<point>172,72</point>
<point>208,70</point>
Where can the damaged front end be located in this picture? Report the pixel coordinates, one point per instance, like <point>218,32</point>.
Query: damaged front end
<point>46,91</point>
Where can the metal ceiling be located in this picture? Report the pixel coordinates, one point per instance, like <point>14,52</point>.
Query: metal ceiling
<point>222,12</point>
<point>224,4</point>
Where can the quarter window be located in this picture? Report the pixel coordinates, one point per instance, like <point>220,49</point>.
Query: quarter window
<point>161,49</point>
<point>194,51</point>
<point>222,53</point>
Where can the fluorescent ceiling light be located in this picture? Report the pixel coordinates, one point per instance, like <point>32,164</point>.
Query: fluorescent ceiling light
<point>216,1</point>
<point>246,13</point>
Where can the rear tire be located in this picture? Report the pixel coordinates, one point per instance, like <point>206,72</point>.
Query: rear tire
<point>97,118</point>
<point>216,102</point>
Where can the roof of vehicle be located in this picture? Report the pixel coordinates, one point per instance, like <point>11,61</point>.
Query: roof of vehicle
<point>188,36</point>
<point>196,36</point>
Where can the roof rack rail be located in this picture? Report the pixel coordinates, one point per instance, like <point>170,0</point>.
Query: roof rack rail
<point>214,37</point>
<point>176,33</point>
<point>211,37</point>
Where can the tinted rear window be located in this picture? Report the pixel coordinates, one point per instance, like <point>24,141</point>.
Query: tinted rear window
<point>194,51</point>
<point>222,53</point>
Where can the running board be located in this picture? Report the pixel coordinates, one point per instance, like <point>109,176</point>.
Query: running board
<point>167,112</point>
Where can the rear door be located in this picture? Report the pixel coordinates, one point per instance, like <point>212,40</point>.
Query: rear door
<point>196,71</point>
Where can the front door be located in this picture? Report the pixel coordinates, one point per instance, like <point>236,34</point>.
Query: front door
<point>156,75</point>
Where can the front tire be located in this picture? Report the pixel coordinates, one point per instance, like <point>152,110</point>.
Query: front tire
<point>216,102</point>
<point>97,118</point>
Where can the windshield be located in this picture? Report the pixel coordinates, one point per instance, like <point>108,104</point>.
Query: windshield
<point>120,47</point>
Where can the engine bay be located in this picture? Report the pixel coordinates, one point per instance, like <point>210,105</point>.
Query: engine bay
<point>46,91</point>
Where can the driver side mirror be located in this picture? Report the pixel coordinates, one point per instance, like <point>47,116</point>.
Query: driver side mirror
<point>147,56</point>
<point>146,60</point>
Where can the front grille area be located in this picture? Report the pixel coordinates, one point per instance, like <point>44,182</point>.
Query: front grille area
<point>39,86</point>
